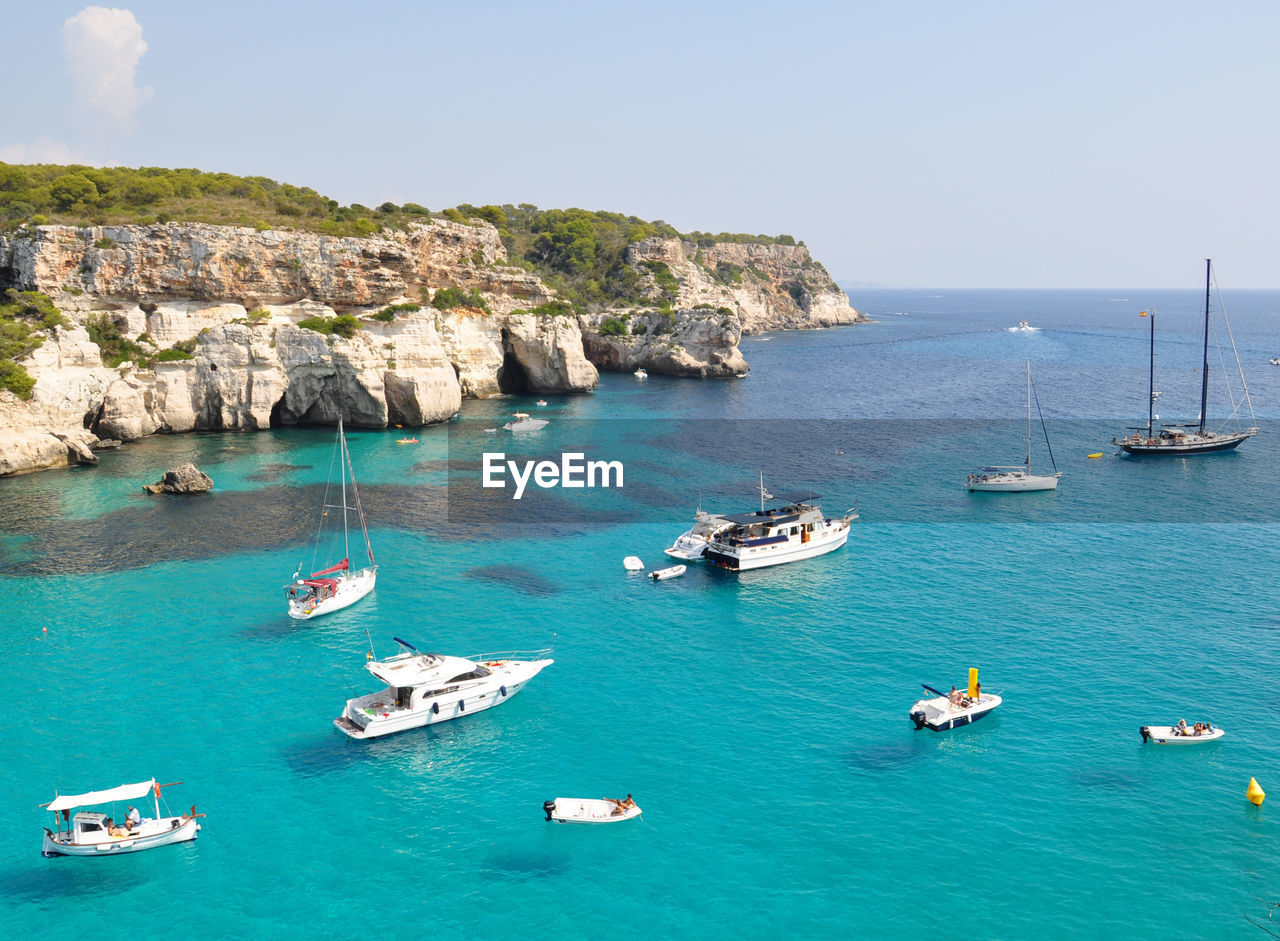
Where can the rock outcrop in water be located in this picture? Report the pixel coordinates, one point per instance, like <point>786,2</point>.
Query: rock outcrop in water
<point>183,479</point>
<point>237,302</point>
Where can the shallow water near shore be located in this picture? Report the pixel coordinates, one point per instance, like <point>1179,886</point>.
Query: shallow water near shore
<point>760,720</point>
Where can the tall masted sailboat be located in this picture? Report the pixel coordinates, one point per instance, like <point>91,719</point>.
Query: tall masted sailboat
<point>337,586</point>
<point>1193,437</point>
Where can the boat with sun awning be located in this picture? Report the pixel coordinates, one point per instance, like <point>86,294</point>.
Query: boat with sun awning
<point>95,833</point>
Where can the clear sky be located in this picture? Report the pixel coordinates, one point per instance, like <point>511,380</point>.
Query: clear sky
<point>912,144</point>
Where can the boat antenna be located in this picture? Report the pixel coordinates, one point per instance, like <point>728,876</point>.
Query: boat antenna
<point>1204,378</point>
<point>762,493</point>
<point>1043,429</point>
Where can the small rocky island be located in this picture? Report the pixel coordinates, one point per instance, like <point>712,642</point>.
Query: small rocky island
<point>176,327</point>
<point>183,479</point>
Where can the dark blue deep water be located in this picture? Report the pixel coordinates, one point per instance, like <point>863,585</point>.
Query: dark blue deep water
<point>760,720</point>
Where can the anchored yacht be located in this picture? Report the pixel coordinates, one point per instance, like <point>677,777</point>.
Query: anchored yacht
<point>425,688</point>
<point>797,529</point>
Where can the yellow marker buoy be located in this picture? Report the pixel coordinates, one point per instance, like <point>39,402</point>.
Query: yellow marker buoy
<point>1091,456</point>
<point>1255,794</point>
<point>973,682</point>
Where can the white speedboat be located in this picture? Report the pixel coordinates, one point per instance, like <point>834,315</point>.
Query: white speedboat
<point>1019,479</point>
<point>1181,734</point>
<point>633,563</point>
<point>522,422</point>
<point>1024,327</point>
<point>641,374</point>
<point>793,531</point>
<point>590,809</point>
<point>690,544</point>
<point>950,711</point>
<point>426,688</point>
<point>671,571</point>
<point>336,587</point>
<point>94,833</point>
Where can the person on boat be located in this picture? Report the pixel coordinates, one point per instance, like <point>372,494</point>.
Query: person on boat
<point>953,697</point>
<point>134,819</point>
<point>977,689</point>
<point>113,829</point>
<point>622,806</point>
<point>1181,728</point>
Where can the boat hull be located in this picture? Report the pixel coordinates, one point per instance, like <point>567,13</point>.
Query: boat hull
<point>1207,444</point>
<point>757,557</point>
<point>1164,735</point>
<point>938,716</point>
<point>587,810</point>
<point>351,588</point>
<point>1024,484</point>
<point>167,830</point>
<point>363,721</point>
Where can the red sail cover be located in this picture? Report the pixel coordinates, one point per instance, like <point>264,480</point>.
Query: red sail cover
<point>340,567</point>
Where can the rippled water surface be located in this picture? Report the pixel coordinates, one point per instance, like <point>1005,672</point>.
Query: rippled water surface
<point>759,720</point>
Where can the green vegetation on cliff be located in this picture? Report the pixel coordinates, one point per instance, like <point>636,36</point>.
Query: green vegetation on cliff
<point>579,253</point>
<point>26,318</point>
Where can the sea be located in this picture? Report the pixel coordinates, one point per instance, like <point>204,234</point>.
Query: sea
<point>759,719</point>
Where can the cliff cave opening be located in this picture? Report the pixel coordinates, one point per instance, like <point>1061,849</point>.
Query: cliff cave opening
<point>277,414</point>
<point>512,377</point>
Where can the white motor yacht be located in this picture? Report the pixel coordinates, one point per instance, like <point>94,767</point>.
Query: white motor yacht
<point>522,422</point>
<point>641,374</point>
<point>425,688</point>
<point>795,530</point>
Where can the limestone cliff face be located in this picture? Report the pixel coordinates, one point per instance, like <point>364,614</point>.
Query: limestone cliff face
<point>769,287</point>
<point>698,343</point>
<point>238,295</point>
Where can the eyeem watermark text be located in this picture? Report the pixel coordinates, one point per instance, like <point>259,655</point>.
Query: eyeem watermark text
<point>574,470</point>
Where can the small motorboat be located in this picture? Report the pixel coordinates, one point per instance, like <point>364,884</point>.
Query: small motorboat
<point>1275,361</point>
<point>950,711</point>
<point>406,440</point>
<point>522,422</point>
<point>542,403</point>
<point>671,571</point>
<point>1023,327</point>
<point>590,809</point>
<point>632,563</point>
<point>641,374</point>
<point>1181,734</point>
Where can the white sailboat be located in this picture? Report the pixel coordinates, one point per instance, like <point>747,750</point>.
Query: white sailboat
<point>1019,479</point>
<point>335,587</point>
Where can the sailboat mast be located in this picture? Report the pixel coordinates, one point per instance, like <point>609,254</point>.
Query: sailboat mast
<point>1151,378</point>
<point>1204,374</point>
<point>343,459</point>
<point>1028,463</point>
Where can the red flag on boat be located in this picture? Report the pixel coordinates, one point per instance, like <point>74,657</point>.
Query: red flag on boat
<point>1143,314</point>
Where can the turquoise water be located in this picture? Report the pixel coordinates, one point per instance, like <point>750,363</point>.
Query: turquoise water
<point>759,720</point>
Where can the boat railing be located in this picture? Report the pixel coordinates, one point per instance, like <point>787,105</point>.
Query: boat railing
<point>511,655</point>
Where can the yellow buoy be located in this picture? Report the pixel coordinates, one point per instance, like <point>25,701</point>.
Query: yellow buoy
<point>973,682</point>
<point>1255,794</point>
<point>1099,454</point>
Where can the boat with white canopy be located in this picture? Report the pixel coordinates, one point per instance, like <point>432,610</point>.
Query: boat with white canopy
<point>426,688</point>
<point>94,833</point>
<point>335,587</point>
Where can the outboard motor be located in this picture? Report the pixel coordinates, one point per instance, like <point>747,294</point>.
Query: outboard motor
<point>548,807</point>
<point>1145,732</point>
<point>918,719</point>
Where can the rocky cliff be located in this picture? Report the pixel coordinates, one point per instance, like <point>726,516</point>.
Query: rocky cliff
<point>235,297</point>
<point>256,316</point>
<point>768,286</point>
